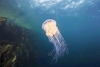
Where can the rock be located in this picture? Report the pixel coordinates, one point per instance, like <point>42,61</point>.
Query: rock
<point>3,20</point>
<point>16,46</point>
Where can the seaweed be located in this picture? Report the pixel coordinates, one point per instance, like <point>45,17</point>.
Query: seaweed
<point>16,45</point>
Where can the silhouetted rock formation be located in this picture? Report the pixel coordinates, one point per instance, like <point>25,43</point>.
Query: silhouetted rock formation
<point>16,45</point>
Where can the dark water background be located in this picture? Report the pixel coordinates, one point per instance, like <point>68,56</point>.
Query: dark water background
<point>80,28</point>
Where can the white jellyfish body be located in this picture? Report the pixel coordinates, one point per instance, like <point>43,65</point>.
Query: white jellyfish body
<point>54,36</point>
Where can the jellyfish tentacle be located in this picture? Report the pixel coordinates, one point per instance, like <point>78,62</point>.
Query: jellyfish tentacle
<point>55,37</point>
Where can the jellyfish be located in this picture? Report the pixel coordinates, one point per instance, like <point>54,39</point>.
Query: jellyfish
<point>54,36</point>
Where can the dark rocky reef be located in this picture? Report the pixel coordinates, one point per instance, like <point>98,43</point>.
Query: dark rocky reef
<point>17,46</point>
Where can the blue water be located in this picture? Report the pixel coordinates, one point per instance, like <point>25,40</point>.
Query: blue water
<point>81,30</point>
<point>82,33</point>
<point>79,24</point>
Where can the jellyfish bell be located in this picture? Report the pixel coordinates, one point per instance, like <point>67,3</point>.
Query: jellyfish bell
<point>54,36</point>
<point>49,26</point>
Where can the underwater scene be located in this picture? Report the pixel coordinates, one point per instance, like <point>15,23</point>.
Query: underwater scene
<point>49,33</point>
